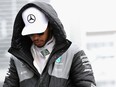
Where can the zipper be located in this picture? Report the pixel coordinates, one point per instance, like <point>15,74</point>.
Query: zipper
<point>59,50</point>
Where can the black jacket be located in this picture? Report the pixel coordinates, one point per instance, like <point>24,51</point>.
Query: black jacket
<point>67,65</point>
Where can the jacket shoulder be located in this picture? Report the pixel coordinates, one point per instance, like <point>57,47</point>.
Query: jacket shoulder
<point>74,48</point>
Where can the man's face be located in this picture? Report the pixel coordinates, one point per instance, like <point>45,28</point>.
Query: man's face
<point>40,39</point>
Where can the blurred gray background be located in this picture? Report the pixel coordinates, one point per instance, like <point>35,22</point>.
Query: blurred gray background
<point>8,10</point>
<point>89,23</point>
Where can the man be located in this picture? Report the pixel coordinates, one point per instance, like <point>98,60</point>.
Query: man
<point>42,56</point>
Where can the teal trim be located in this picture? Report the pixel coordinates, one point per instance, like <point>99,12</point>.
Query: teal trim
<point>59,59</point>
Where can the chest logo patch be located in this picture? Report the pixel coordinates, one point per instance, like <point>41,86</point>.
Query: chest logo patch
<point>59,60</point>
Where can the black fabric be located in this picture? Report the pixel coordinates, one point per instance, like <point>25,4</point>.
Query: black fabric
<point>77,74</point>
<point>12,79</point>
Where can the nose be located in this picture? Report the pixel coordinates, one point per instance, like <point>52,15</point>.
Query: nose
<point>34,36</point>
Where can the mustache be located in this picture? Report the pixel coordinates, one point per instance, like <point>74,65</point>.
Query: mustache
<point>37,40</point>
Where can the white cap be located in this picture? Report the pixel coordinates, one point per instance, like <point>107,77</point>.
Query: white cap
<point>35,21</point>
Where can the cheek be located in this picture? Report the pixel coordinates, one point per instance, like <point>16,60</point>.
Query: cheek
<point>46,38</point>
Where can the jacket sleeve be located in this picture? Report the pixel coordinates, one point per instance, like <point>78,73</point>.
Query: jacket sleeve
<point>11,80</point>
<point>81,71</point>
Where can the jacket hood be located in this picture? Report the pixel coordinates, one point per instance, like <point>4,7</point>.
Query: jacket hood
<point>19,41</point>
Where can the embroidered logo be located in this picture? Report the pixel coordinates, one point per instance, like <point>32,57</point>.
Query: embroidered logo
<point>59,60</point>
<point>45,52</point>
<point>23,72</point>
<point>31,18</point>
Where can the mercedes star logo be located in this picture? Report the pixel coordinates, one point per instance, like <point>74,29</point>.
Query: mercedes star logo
<point>31,18</point>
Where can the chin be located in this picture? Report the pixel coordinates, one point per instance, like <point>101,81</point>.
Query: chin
<point>39,45</point>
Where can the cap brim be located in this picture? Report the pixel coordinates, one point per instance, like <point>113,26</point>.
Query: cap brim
<point>34,29</point>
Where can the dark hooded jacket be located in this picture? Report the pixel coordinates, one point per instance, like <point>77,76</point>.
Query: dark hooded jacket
<point>67,65</point>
